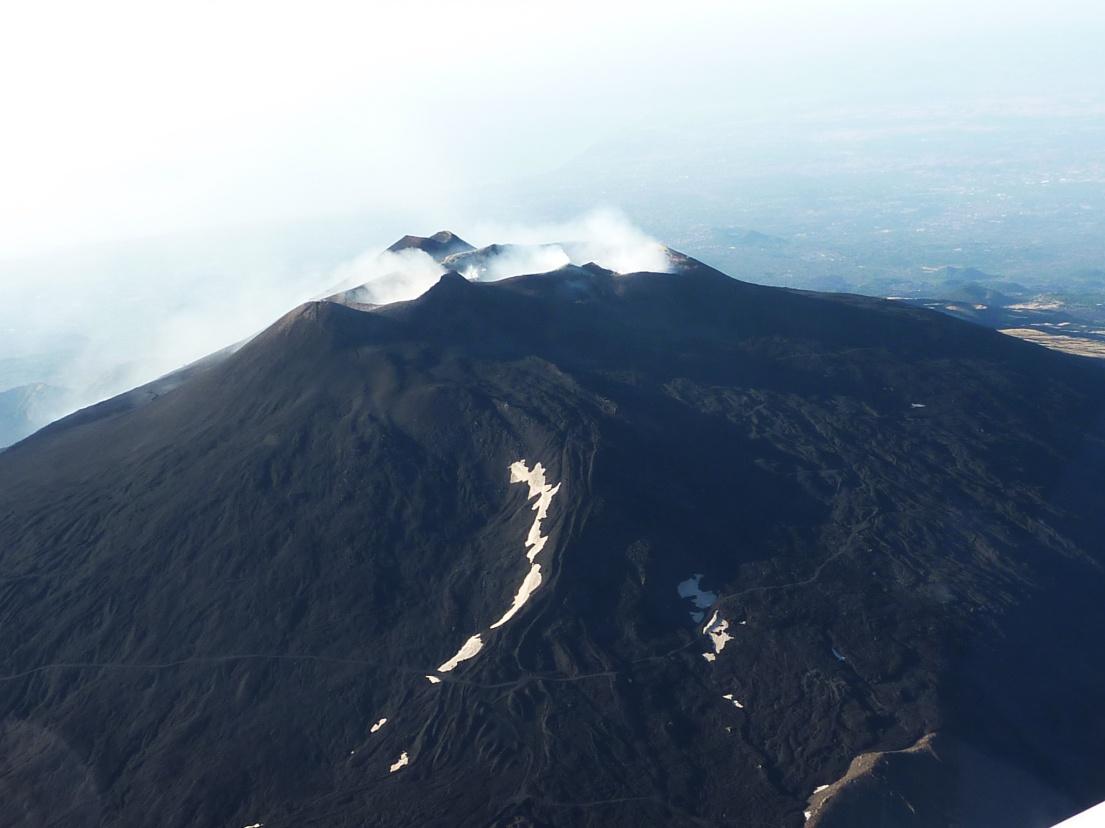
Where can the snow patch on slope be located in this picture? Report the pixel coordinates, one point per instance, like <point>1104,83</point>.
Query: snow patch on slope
<point>541,492</point>
<point>529,585</point>
<point>736,704</point>
<point>401,762</point>
<point>544,493</point>
<point>539,488</point>
<point>469,649</point>
<point>717,630</point>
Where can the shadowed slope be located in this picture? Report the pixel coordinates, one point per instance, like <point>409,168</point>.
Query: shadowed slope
<point>211,598</point>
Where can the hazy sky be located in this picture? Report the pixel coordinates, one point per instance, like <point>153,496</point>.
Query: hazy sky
<point>125,119</point>
<point>174,176</point>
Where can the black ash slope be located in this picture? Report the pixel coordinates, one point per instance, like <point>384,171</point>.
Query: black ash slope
<point>26,408</point>
<point>440,245</point>
<point>210,598</point>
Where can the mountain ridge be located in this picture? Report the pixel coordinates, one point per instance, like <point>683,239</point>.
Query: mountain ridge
<point>894,512</point>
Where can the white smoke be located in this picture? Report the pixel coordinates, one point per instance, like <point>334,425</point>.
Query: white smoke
<point>605,237</point>
<point>184,299</point>
<point>386,277</point>
<point>515,260</point>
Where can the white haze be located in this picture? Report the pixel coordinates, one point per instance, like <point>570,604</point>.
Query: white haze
<point>386,276</point>
<point>126,118</point>
<point>516,260</point>
<point>605,237</point>
<point>174,176</point>
<point>99,324</point>
<point>97,328</point>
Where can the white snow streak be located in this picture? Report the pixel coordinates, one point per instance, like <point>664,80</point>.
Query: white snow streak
<point>539,488</point>
<point>529,585</point>
<point>544,492</point>
<point>737,704</point>
<point>378,725</point>
<point>470,647</point>
<point>401,762</point>
<point>716,629</point>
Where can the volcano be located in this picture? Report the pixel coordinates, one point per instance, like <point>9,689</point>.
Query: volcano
<point>570,548</point>
<point>439,246</point>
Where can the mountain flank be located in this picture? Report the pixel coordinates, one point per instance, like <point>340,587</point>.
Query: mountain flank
<point>571,548</point>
